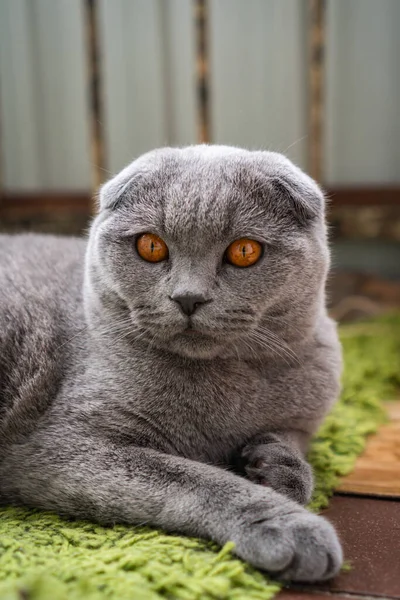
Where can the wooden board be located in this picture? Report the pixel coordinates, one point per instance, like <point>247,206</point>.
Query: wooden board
<point>377,470</point>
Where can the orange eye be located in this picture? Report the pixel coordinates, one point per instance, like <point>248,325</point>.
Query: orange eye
<point>151,248</point>
<point>244,252</point>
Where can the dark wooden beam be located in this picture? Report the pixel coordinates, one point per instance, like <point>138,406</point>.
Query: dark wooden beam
<point>93,53</point>
<point>202,71</point>
<point>80,204</point>
<point>316,79</point>
<point>364,196</point>
<point>26,205</point>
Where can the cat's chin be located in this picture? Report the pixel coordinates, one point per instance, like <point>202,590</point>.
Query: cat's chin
<point>193,344</point>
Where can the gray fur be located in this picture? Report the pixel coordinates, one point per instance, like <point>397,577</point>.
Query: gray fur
<point>109,411</point>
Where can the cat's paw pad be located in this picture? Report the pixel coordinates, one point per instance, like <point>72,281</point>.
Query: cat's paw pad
<point>297,547</point>
<point>278,466</point>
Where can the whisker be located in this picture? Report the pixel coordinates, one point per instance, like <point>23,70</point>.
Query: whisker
<point>128,332</point>
<point>151,343</point>
<point>115,327</point>
<point>279,342</point>
<point>294,143</point>
<point>125,327</point>
<point>72,338</point>
<point>240,311</point>
<point>142,306</point>
<point>284,352</point>
<point>237,352</point>
<point>235,320</point>
<point>264,344</point>
<point>253,351</point>
<point>275,319</point>
<point>269,344</point>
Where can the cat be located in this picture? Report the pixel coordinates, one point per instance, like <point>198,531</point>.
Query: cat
<point>171,370</point>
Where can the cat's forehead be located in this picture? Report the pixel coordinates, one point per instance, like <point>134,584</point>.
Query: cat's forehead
<point>211,165</point>
<point>213,192</point>
<point>209,193</point>
<point>209,202</point>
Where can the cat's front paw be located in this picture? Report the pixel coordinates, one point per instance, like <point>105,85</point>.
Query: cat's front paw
<point>298,546</point>
<point>277,465</point>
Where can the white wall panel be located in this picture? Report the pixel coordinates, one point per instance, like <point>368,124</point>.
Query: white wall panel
<point>258,53</point>
<point>363,92</point>
<point>180,71</point>
<point>148,76</point>
<point>43,96</point>
<point>258,85</point>
<point>21,160</point>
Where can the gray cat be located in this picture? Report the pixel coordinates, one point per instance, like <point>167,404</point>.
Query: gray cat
<point>186,359</point>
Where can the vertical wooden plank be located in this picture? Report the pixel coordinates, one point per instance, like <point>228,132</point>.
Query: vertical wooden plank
<point>148,76</point>
<point>203,70</point>
<point>44,111</point>
<point>21,160</point>
<point>134,119</point>
<point>258,57</point>
<point>316,80</point>
<point>95,93</point>
<point>362,92</point>
<point>179,66</point>
<point>61,78</point>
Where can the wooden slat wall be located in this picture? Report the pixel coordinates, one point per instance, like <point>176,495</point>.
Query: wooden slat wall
<point>257,53</point>
<point>45,137</point>
<point>362,123</point>
<point>148,75</point>
<point>258,66</point>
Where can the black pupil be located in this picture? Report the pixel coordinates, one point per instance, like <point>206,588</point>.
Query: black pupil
<point>152,246</point>
<point>244,251</point>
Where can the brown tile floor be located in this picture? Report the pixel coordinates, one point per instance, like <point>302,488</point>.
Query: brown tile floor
<point>368,524</point>
<point>370,532</point>
<point>301,595</point>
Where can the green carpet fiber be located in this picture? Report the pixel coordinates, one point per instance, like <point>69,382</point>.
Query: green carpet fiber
<point>43,557</point>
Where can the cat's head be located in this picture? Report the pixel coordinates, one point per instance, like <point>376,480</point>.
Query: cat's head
<point>235,239</point>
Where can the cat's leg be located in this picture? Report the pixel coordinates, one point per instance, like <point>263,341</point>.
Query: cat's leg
<point>278,460</point>
<point>92,478</point>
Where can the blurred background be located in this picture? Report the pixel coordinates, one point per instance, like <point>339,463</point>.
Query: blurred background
<point>88,85</point>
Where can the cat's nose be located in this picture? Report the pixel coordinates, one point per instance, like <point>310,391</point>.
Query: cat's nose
<point>189,303</point>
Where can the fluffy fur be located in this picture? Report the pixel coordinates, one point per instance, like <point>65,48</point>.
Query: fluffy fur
<point>110,411</point>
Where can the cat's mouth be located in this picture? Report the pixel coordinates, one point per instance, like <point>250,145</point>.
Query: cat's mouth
<point>193,342</point>
<point>190,331</point>
<point>193,333</point>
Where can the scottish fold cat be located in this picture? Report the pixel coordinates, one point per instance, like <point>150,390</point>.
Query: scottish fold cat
<point>172,369</point>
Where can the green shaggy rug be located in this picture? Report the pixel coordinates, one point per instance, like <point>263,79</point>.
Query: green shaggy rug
<point>43,557</point>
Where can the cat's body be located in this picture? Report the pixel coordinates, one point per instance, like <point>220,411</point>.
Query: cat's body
<point>204,410</point>
<point>110,409</point>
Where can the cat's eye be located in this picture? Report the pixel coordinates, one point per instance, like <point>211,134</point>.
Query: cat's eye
<point>151,247</point>
<point>244,252</point>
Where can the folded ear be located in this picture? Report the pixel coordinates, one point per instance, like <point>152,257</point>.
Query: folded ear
<point>303,198</point>
<point>112,193</point>
<point>305,202</point>
<point>108,196</point>
<point>129,183</point>
<point>123,187</point>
